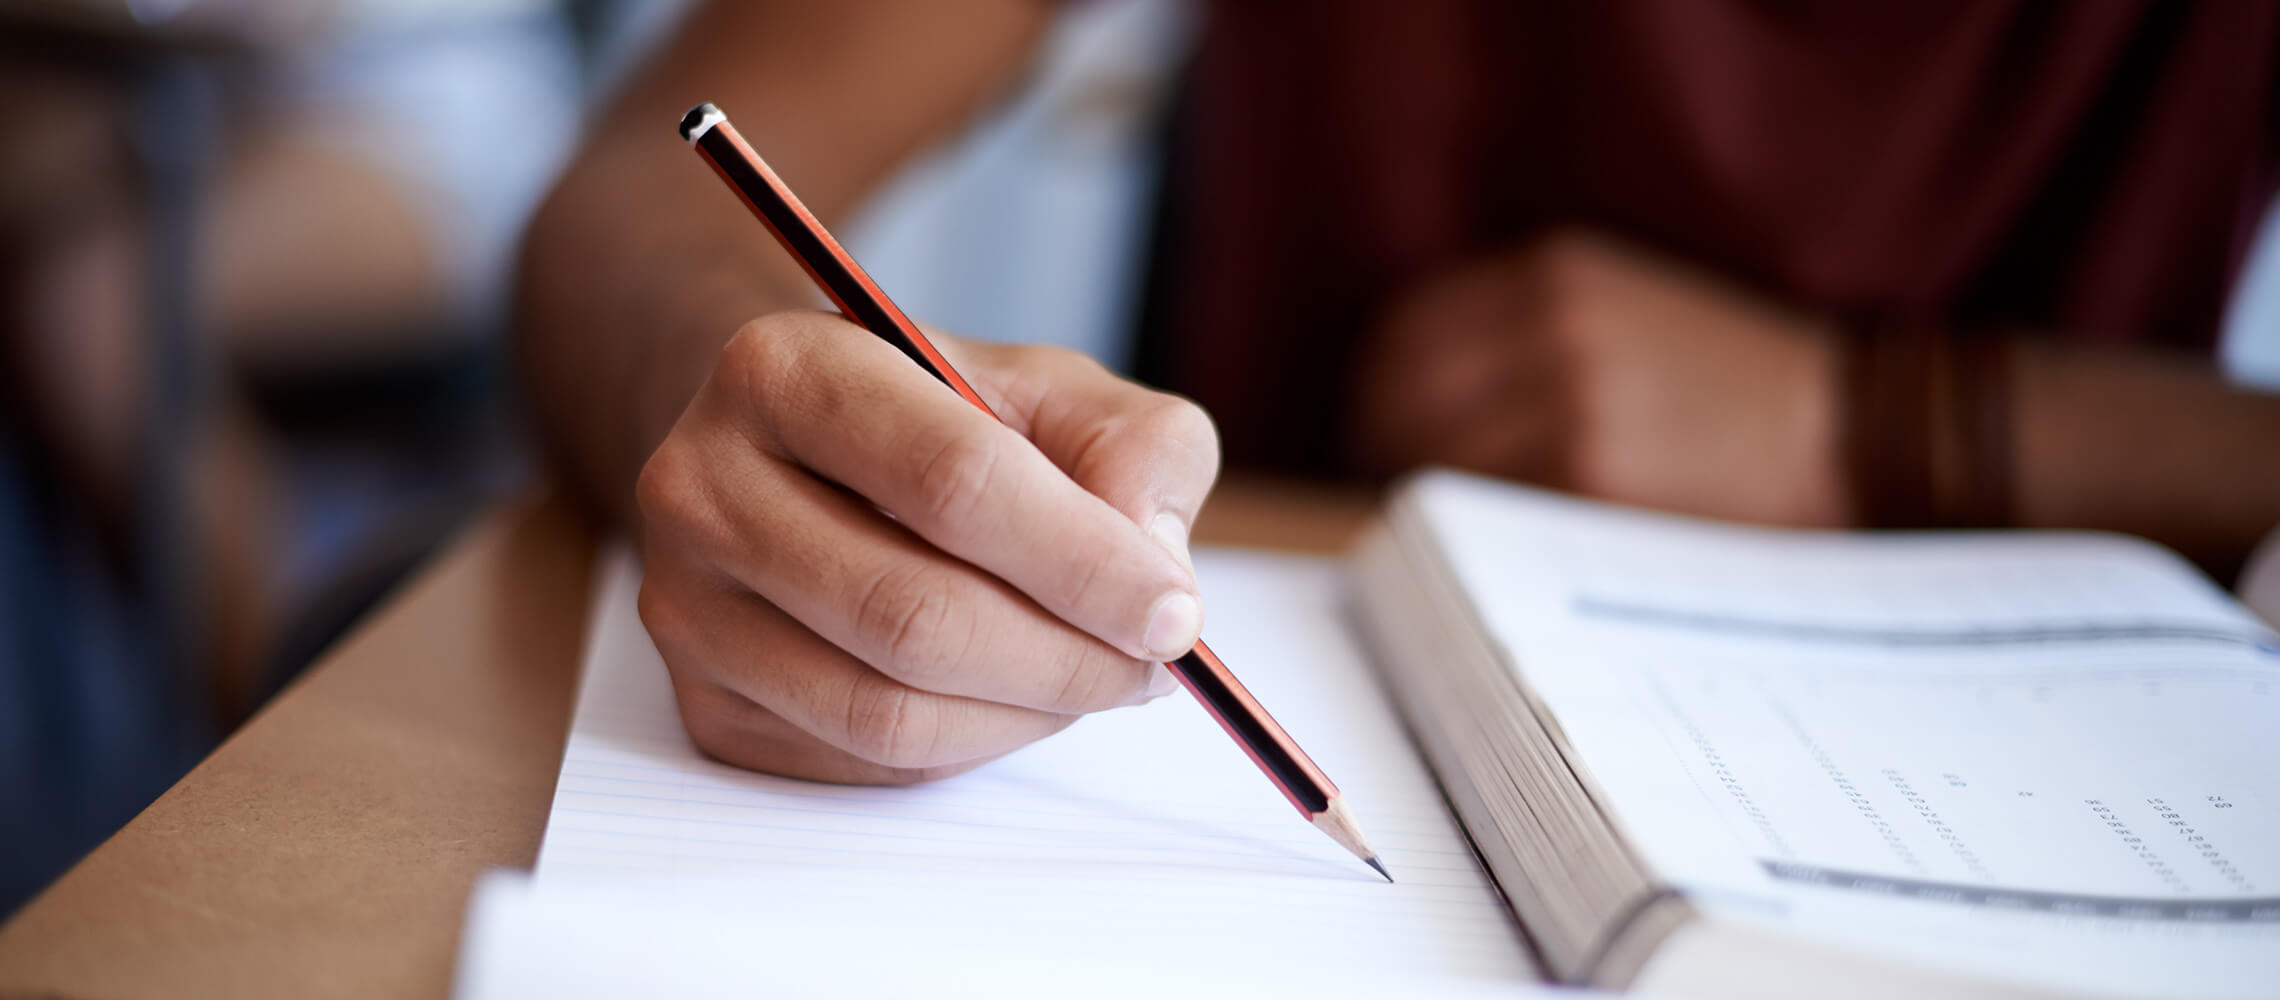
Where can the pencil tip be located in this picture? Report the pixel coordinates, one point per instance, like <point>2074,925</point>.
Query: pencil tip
<point>1338,821</point>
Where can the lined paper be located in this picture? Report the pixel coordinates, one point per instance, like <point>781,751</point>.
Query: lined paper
<point>1140,831</point>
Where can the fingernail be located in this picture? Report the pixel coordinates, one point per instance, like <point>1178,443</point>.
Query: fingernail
<point>1161,682</point>
<point>1172,627</point>
<point>1173,533</point>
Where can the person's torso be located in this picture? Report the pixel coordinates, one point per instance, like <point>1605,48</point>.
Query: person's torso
<point>2091,171</point>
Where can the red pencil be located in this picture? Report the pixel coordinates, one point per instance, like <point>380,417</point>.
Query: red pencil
<point>1241,715</point>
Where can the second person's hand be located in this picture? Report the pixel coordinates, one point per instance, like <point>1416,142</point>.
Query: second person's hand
<point>854,575</point>
<point>1594,366</point>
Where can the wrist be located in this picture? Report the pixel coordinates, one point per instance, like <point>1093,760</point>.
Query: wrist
<point>1823,494</point>
<point>1926,427</point>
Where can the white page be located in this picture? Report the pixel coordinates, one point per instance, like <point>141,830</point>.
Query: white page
<point>589,935</point>
<point>1140,831</point>
<point>2052,758</point>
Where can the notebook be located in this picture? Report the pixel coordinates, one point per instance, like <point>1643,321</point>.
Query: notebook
<point>1139,850</point>
<point>1595,745</point>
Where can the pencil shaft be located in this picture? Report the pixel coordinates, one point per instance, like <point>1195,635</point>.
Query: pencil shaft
<point>826,262</point>
<point>1229,702</point>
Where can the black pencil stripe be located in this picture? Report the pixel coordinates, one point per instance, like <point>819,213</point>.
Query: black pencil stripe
<point>1252,732</point>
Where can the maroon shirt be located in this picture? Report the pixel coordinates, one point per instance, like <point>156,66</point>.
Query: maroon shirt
<point>2092,169</point>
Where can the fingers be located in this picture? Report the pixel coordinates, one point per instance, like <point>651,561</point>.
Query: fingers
<point>716,635</point>
<point>867,584</point>
<point>1151,455</point>
<point>858,413</point>
<point>870,587</point>
<point>734,729</point>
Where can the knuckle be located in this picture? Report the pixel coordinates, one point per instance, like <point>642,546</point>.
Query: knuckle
<point>1076,691</point>
<point>766,363</point>
<point>749,355</point>
<point>762,351</point>
<point>1152,427</point>
<point>1088,685</point>
<point>953,481</point>
<point>659,614</point>
<point>907,615</point>
<point>653,487</point>
<point>1090,572</point>
<point>1178,420</point>
<point>1038,371</point>
<point>885,726</point>
<point>665,491</point>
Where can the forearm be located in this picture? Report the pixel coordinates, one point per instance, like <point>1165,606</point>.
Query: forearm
<point>2144,444</point>
<point>640,266</point>
<point>627,291</point>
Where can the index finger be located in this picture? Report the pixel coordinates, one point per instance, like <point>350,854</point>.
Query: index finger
<point>855,411</point>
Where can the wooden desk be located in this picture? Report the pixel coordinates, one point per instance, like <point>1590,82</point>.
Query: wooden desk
<point>328,847</point>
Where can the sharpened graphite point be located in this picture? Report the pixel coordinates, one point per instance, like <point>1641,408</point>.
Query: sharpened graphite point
<point>1373,862</point>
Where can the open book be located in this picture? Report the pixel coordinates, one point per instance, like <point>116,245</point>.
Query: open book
<point>1716,759</point>
<point>1639,752</point>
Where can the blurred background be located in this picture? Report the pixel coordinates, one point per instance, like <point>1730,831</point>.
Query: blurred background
<point>253,256</point>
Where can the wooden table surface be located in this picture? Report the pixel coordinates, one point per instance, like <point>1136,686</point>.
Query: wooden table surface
<point>327,848</point>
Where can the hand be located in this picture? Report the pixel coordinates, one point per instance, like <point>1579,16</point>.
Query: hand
<point>856,576</point>
<point>1594,367</point>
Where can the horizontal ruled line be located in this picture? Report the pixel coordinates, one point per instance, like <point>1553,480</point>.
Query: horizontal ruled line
<point>1924,637</point>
